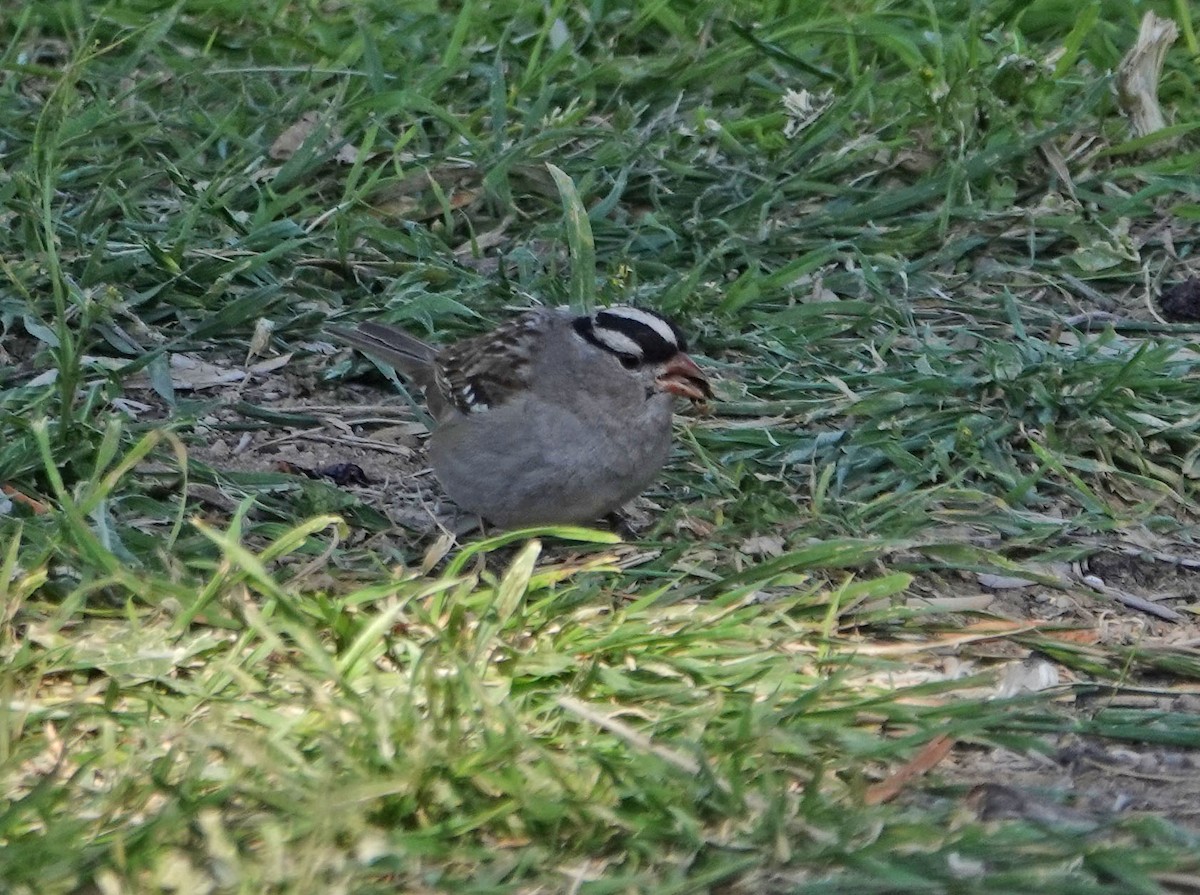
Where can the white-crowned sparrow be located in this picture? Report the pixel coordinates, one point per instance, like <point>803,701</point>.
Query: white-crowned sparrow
<point>552,417</point>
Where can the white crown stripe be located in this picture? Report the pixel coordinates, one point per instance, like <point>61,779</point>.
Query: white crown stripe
<point>653,321</point>
<point>617,342</point>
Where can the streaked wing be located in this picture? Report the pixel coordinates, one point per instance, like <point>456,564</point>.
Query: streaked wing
<point>487,371</point>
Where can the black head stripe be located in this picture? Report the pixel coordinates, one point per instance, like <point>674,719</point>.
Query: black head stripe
<point>628,351</point>
<point>655,337</point>
<point>586,327</point>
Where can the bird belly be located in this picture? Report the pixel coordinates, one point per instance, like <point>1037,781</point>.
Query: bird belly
<point>561,468</point>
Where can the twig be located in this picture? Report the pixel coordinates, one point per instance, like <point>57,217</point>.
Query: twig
<point>1133,601</point>
<point>920,764</point>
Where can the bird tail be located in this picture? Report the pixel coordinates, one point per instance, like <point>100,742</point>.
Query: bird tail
<point>392,345</point>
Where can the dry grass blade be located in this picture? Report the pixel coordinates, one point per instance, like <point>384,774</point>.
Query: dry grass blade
<point>1139,73</point>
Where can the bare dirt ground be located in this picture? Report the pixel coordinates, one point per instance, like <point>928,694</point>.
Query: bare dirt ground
<point>1087,780</point>
<point>366,440</point>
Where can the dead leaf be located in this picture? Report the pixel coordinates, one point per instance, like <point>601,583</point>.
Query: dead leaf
<point>293,138</point>
<point>289,142</point>
<point>762,545</point>
<point>190,373</point>
<point>414,198</point>
<point>701,528</point>
<point>803,108</point>
<point>262,337</point>
<point>1029,676</point>
<point>437,551</point>
<point>270,364</point>
<point>401,433</point>
<point>129,407</point>
<point>820,294</point>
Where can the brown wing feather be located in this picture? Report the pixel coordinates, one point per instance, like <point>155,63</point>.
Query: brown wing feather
<point>486,371</point>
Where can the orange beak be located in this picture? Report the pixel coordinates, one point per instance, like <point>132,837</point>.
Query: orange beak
<point>680,376</point>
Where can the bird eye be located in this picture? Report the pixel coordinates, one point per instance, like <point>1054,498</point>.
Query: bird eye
<point>629,362</point>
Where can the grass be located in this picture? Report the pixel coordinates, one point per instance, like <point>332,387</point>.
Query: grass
<point>220,680</point>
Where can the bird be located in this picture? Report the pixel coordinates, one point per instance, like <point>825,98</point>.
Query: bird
<point>552,418</point>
